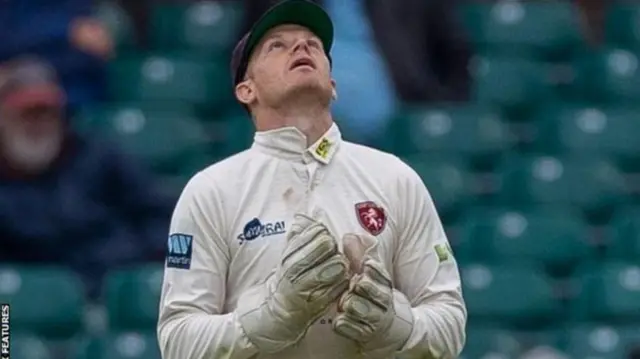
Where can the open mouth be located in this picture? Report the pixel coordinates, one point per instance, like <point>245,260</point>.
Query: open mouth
<point>302,62</point>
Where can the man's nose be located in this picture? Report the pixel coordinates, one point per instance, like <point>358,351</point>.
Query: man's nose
<point>301,45</point>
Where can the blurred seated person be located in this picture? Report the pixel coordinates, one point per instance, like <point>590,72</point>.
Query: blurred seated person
<point>66,199</point>
<point>64,33</point>
<point>426,48</point>
<point>594,14</point>
<point>367,97</point>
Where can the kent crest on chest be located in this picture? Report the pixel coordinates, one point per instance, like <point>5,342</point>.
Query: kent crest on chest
<point>371,217</point>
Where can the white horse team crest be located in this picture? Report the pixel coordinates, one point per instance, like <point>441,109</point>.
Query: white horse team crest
<point>371,217</point>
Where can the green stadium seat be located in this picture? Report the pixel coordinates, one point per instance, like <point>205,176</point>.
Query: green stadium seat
<point>460,244</point>
<point>554,237</point>
<point>447,179</point>
<point>621,25</point>
<point>29,346</point>
<point>464,129</point>
<point>592,183</point>
<point>624,235</point>
<point>596,130</point>
<point>118,24</point>
<point>510,294</point>
<point>495,342</point>
<point>165,138</point>
<point>231,133</point>
<point>609,292</point>
<point>172,186</point>
<point>48,301</point>
<point>514,85</point>
<point>173,183</point>
<point>473,16</point>
<point>490,342</point>
<point>123,345</point>
<point>549,30</point>
<point>602,341</point>
<point>132,298</point>
<point>170,78</point>
<point>208,27</point>
<point>608,76</point>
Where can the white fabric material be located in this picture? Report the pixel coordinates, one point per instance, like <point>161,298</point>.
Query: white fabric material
<point>267,185</point>
<point>370,313</point>
<point>310,277</point>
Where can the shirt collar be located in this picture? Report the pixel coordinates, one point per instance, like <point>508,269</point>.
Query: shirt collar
<point>291,143</point>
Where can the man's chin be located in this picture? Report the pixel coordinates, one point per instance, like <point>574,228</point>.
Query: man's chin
<point>309,88</point>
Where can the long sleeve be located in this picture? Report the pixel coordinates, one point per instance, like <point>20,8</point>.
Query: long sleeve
<point>191,321</point>
<point>426,272</point>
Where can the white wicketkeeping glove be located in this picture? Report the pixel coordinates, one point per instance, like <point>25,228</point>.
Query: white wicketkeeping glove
<point>312,274</point>
<point>371,313</point>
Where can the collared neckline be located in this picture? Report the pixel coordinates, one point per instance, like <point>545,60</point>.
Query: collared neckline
<point>291,143</point>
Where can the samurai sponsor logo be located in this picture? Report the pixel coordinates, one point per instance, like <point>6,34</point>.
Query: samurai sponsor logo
<point>255,229</point>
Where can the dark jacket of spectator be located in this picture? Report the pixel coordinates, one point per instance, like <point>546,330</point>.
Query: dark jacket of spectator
<point>44,28</point>
<point>92,210</point>
<point>423,43</point>
<point>425,46</point>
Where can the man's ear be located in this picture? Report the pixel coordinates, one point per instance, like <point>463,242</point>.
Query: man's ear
<point>334,91</point>
<point>245,92</point>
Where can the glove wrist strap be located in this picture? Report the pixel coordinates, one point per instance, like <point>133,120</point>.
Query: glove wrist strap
<point>395,337</point>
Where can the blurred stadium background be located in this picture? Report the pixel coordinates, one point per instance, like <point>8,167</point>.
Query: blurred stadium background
<point>536,176</point>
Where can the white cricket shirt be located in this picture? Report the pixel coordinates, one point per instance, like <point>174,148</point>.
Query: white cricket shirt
<point>229,229</point>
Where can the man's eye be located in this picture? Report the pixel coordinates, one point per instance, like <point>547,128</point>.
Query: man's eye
<point>314,43</point>
<point>276,45</point>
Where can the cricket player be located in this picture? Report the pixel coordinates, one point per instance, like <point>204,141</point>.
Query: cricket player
<point>305,246</point>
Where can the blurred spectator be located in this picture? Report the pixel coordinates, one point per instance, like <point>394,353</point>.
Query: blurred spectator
<point>64,33</point>
<point>366,97</point>
<point>65,199</point>
<point>634,353</point>
<point>594,12</point>
<point>138,11</point>
<point>411,49</point>
<point>425,46</point>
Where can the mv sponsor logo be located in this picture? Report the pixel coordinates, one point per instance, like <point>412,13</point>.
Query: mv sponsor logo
<point>5,331</point>
<point>179,251</point>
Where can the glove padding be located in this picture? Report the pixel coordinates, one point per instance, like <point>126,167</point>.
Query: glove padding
<point>311,275</point>
<point>371,312</point>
